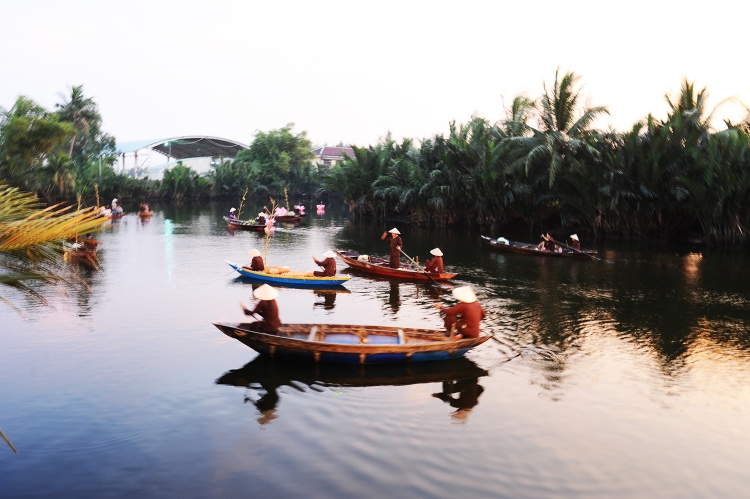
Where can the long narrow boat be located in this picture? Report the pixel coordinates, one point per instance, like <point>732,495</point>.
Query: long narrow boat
<point>83,250</point>
<point>289,218</point>
<point>289,281</point>
<point>532,249</point>
<point>244,224</point>
<point>352,344</point>
<point>380,266</point>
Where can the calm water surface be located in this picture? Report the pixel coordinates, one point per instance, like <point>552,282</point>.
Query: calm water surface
<point>628,377</point>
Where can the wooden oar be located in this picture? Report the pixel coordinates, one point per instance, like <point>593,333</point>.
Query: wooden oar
<point>247,311</point>
<point>420,268</point>
<point>571,248</point>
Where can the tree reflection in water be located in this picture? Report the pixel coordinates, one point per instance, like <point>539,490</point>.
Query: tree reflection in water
<point>265,376</point>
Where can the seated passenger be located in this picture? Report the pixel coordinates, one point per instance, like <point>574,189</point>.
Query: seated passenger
<point>256,264</point>
<point>435,264</point>
<point>232,215</point>
<point>465,316</point>
<point>576,244</point>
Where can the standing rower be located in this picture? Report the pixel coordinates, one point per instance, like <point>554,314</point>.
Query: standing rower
<point>266,308</point>
<point>257,263</point>
<point>576,244</point>
<point>329,265</point>
<point>435,264</point>
<point>396,245</point>
<point>465,316</point>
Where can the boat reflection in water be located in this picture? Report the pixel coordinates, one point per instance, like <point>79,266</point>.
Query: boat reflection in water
<point>329,297</point>
<point>459,378</point>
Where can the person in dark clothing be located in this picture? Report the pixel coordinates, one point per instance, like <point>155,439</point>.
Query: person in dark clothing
<point>396,245</point>
<point>466,316</point>
<point>548,244</point>
<point>232,216</point>
<point>575,244</point>
<point>266,308</point>
<point>435,264</point>
<point>329,265</point>
<point>256,264</point>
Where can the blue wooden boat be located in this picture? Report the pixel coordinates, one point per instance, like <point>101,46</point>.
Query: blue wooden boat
<point>290,281</point>
<point>352,344</point>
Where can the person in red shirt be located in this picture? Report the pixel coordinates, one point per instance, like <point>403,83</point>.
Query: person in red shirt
<point>266,308</point>
<point>465,316</point>
<point>256,264</point>
<point>396,245</point>
<point>576,244</point>
<point>435,264</point>
<point>329,265</point>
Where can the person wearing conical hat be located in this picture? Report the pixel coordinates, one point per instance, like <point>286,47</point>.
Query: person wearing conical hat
<point>396,245</point>
<point>576,244</point>
<point>232,216</point>
<point>257,264</point>
<point>328,264</point>
<point>435,264</point>
<point>266,308</point>
<point>465,316</point>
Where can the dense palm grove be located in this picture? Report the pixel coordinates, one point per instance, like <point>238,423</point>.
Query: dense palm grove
<point>675,177</point>
<point>542,166</point>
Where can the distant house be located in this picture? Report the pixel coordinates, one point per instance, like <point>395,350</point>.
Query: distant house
<point>330,156</point>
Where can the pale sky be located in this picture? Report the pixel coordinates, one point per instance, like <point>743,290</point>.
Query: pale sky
<point>351,71</point>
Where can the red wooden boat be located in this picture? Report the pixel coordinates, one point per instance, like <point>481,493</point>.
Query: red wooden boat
<point>244,224</point>
<point>380,266</point>
<point>289,218</point>
<point>533,249</point>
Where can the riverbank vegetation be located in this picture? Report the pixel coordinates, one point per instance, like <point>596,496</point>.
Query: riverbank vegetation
<point>545,166</point>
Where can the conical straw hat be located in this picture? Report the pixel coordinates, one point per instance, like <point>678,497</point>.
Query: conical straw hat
<point>253,252</point>
<point>465,294</point>
<point>233,209</point>
<point>574,237</point>
<point>329,254</point>
<point>436,252</point>
<point>265,292</point>
<point>394,231</point>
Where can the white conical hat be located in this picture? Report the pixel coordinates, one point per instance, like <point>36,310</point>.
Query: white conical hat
<point>574,237</point>
<point>465,294</point>
<point>329,254</point>
<point>233,209</point>
<point>114,200</point>
<point>394,231</point>
<point>265,292</point>
<point>253,252</point>
<point>436,252</point>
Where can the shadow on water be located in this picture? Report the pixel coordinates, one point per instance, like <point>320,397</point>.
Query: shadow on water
<point>459,378</point>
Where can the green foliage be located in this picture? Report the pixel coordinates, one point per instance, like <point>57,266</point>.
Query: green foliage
<point>182,182</point>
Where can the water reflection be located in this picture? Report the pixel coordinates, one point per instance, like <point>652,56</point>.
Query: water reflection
<point>394,297</point>
<point>265,376</point>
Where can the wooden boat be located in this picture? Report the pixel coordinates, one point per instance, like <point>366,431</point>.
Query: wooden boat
<point>82,250</point>
<point>244,224</point>
<point>145,214</point>
<point>268,372</point>
<point>532,249</point>
<point>352,344</point>
<point>380,266</point>
<point>289,281</point>
<point>289,218</point>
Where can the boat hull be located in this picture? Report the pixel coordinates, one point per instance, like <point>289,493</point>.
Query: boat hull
<point>380,267</point>
<point>530,249</point>
<point>244,224</point>
<point>352,344</point>
<point>297,282</point>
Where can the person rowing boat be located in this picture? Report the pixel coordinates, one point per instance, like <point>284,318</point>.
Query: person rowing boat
<point>465,316</point>
<point>547,244</point>
<point>434,264</point>
<point>256,264</point>
<point>328,264</point>
<point>267,308</point>
<point>396,245</point>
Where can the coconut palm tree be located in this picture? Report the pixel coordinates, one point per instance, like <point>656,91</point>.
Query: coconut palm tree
<point>31,243</point>
<point>79,111</point>
<point>565,124</point>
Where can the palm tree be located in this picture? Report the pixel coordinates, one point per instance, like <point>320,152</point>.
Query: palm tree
<point>60,176</point>
<point>561,139</point>
<point>79,111</point>
<point>30,242</point>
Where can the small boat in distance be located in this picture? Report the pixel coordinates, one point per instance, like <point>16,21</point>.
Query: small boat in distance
<point>244,224</point>
<point>380,266</point>
<point>502,244</point>
<point>352,344</point>
<point>295,281</point>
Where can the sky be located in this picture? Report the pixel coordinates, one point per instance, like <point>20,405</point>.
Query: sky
<point>353,71</point>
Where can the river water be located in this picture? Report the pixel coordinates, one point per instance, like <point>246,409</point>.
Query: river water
<point>626,377</point>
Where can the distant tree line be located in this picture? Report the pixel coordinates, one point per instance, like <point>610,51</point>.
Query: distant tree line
<point>545,166</point>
